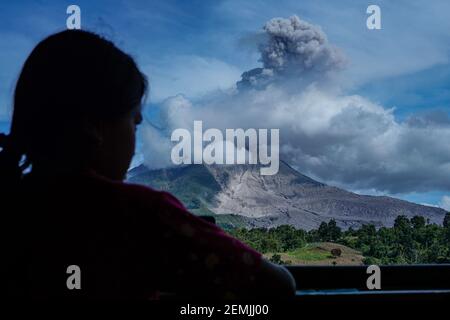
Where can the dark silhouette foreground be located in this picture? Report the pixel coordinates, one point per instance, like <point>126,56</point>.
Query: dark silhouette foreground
<point>77,103</point>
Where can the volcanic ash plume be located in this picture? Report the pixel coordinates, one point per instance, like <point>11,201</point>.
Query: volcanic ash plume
<point>292,49</point>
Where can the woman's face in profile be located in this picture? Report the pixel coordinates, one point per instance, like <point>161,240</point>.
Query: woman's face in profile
<point>117,145</point>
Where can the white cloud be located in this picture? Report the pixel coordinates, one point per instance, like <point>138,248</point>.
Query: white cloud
<point>155,147</point>
<point>445,203</point>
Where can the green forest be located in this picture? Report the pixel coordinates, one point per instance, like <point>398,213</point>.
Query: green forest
<point>409,241</point>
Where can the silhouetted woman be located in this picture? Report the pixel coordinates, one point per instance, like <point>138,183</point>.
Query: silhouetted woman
<point>64,203</point>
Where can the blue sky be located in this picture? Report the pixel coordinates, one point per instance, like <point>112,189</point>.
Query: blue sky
<point>195,47</point>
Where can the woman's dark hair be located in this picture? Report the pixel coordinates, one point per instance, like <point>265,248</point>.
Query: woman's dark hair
<point>70,78</point>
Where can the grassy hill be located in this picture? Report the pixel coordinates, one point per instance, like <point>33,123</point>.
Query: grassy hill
<point>320,254</point>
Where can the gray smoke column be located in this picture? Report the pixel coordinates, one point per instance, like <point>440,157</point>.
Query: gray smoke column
<point>292,49</point>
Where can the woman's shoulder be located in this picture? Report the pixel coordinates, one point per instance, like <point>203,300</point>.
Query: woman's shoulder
<point>138,195</point>
<point>144,204</point>
<point>183,229</point>
<point>145,194</point>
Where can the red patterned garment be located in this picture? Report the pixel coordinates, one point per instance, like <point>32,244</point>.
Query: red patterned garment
<point>129,241</point>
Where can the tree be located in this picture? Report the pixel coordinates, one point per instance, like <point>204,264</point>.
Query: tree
<point>447,220</point>
<point>418,222</point>
<point>289,237</point>
<point>447,230</point>
<point>329,231</point>
<point>322,232</point>
<point>333,230</point>
<point>276,258</point>
<point>402,223</point>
